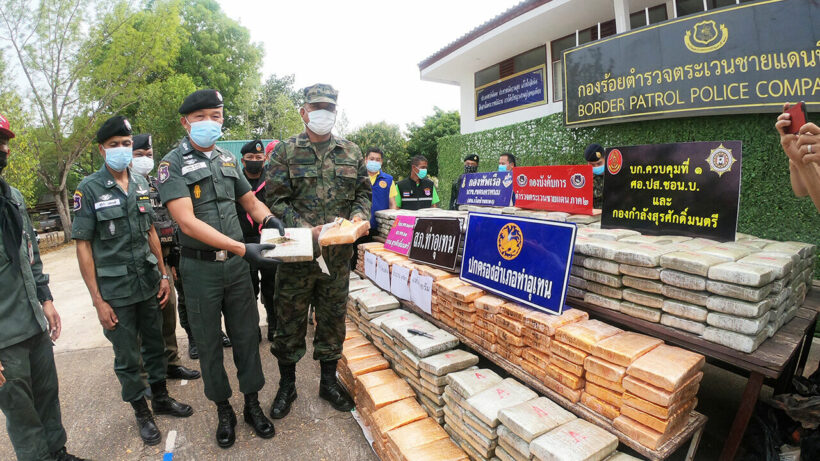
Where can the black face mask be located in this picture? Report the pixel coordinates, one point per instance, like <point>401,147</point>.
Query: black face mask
<point>470,169</point>
<point>254,166</point>
<point>3,161</point>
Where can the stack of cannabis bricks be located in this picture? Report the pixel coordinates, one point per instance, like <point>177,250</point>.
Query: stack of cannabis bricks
<point>400,428</point>
<point>495,418</point>
<point>736,294</point>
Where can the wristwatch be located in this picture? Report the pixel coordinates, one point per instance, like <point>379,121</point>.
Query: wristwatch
<point>166,277</point>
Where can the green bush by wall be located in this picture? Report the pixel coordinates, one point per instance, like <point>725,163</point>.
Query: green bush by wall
<point>768,208</point>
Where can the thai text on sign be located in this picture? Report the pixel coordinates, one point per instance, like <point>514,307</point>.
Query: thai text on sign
<point>527,260</point>
<point>436,242</point>
<point>690,189</point>
<point>486,189</point>
<point>566,188</point>
<point>401,235</point>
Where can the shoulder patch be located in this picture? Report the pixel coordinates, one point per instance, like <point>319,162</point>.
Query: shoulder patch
<point>78,200</point>
<point>163,172</point>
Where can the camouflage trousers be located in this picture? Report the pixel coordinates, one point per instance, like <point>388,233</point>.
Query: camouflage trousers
<point>299,285</point>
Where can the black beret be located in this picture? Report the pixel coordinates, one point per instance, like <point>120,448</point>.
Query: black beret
<point>253,147</point>
<point>201,99</point>
<point>114,126</point>
<point>141,141</point>
<point>472,157</point>
<point>594,152</point>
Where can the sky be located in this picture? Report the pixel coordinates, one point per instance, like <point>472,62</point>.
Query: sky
<point>368,50</point>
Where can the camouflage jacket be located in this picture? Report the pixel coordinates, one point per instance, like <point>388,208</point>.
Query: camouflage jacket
<point>598,191</point>
<point>307,188</point>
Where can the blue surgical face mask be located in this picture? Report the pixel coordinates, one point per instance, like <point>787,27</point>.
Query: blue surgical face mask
<point>373,166</point>
<point>502,168</point>
<point>423,173</point>
<point>118,158</point>
<point>598,170</point>
<point>205,133</point>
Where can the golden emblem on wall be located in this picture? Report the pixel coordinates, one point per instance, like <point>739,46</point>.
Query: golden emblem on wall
<point>510,241</point>
<point>706,36</point>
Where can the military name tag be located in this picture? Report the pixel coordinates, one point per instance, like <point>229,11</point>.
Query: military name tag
<point>106,204</point>
<point>189,168</point>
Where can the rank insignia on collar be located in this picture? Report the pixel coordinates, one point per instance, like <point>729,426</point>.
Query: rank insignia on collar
<point>226,158</point>
<point>109,183</point>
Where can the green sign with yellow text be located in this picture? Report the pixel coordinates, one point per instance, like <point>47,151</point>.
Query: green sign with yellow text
<point>748,58</point>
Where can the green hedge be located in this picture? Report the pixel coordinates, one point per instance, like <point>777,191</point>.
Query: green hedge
<point>768,208</point>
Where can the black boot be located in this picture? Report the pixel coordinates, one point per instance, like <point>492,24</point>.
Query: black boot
<point>330,390</point>
<point>271,330</point>
<point>63,455</point>
<point>226,341</point>
<point>149,432</point>
<point>193,351</point>
<point>181,372</point>
<point>225,434</point>
<point>256,417</point>
<point>163,404</point>
<point>286,393</point>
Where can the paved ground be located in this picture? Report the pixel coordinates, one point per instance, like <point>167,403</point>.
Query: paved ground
<point>101,426</point>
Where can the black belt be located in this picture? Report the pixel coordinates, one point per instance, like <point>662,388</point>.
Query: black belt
<point>206,255</point>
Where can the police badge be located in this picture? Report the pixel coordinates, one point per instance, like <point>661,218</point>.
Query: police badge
<point>162,172</point>
<point>720,160</point>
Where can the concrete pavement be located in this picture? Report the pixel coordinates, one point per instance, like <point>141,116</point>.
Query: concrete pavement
<point>102,427</point>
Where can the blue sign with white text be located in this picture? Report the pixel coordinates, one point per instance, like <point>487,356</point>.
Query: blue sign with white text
<point>524,259</point>
<point>486,189</point>
<point>518,91</point>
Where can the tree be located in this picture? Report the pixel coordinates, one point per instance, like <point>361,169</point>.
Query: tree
<point>423,140</point>
<point>276,112</point>
<point>389,139</point>
<point>80,70</point>
<point>21,171</point>
<point>218,54</point>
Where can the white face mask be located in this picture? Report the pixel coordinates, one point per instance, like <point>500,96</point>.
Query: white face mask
<point>142,165</point>
<point>321,121</point>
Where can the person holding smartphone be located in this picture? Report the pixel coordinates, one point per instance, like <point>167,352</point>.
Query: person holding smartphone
<point>802,146</point>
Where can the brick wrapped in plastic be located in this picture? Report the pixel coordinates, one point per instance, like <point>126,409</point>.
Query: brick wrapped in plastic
<point>623,349</point>
<point>416,434</point>
<point>660,396</point>
<point>530,419</point>
<point>398,414</point>
<point>440,450</point>
<point>604,369</point>
<point>341,231</point>
<point>575,440</point>
<point>666,367</point>
<point>585,334</point>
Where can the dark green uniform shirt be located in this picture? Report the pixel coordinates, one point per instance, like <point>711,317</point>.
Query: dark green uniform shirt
<point>117,225</point>
<point>213,185</point>
<point>310,185</point>
<point>23,288</point>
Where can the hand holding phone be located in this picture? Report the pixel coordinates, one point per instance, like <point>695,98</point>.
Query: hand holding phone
<point>798,116</point>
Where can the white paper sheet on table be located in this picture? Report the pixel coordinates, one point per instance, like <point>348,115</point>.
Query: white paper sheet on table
<point>400,282</point>
<point>370,265</point>
<point>421,291</point>
<point>383,274</point>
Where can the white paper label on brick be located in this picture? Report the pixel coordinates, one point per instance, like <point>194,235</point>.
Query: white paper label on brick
<point>400,282</point>
<point>370,265</point>
<point>421,291</point>
<point>383,274</point>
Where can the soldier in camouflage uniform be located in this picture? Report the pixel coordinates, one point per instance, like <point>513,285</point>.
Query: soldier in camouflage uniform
<point>313,178</point>
<point>595,156</point>
<point>142,164</point>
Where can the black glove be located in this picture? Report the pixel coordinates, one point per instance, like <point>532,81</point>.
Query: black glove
<point>272,222</point>
<point>253,255</point>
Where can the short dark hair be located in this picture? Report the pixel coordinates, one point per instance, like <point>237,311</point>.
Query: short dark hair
<point>415,161</point>
<point>510,158</point>
<point>375,150</point>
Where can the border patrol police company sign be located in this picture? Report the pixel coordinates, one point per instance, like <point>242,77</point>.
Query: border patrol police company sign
<point>690,189</point>
<point>486,189</point>
<point>748,58</point>
<point>518,91</point>
<point>524,259</point>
